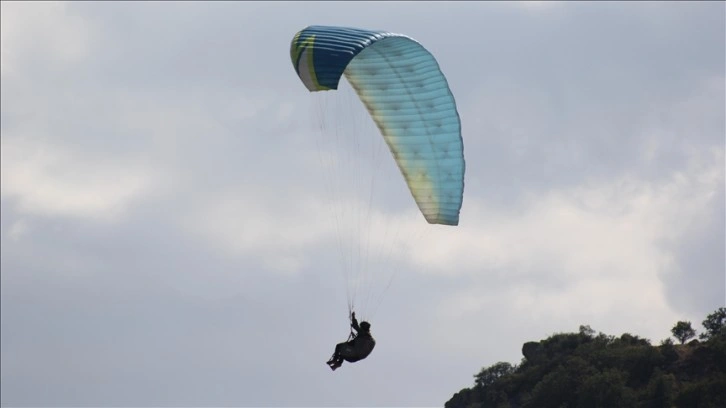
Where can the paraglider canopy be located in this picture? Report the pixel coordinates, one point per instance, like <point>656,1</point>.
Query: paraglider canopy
<point>408,97</point>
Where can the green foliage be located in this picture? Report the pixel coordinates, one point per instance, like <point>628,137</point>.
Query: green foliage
<point>605,389</point>
<point>669,352</point>
<point>587,331</point>
<point>708,393</point>
<point>660,391</point>
<point>489,375</point>
<point>666,342</point>
<point>715,324</point>
<point>568,370</point>
<point>554,390</point>
<point>683,331</point>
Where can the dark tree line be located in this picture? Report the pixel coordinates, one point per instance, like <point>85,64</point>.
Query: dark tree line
<point>586,369</point>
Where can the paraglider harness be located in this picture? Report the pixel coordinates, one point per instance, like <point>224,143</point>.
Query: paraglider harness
<point>352,335</point>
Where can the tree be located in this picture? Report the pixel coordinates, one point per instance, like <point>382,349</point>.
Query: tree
<point>683,331</point>
<point>586,330</point>
<point>576,370</point>
<point>488,376</point>
<point>715,324</point>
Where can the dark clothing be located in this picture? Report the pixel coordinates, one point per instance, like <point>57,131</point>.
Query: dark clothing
<point>355,349</point>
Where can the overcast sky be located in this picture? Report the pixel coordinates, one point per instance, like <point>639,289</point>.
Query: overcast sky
<point>167,239</point>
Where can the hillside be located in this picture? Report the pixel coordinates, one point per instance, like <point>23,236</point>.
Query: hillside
<point>587,370</point>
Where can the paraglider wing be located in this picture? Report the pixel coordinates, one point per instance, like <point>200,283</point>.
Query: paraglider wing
<point>408,97</point>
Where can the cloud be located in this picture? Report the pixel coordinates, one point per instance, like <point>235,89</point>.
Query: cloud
<point>585,254</point>
<point>621,221</point>
<point>18,229</point>
<point>64,39</point>
<point>258,225</point>
<point>283,227</point>
<point>52,181</point>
